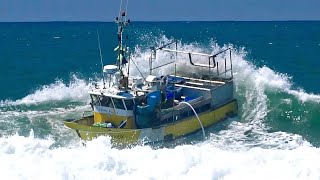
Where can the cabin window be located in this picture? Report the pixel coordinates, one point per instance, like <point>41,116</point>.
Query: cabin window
<point>106,101</point>
<point>118,103</point>
<point>95,100</point>
<point>129,104</point>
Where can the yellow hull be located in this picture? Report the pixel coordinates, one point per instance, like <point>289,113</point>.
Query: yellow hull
<point>165,132</point>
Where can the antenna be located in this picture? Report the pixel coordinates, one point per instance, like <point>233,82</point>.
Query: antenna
<point>126,10</point>
<point>120,8</point>
<point>104,83</point>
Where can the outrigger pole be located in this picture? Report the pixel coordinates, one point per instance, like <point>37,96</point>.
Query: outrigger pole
<point>104,83</point>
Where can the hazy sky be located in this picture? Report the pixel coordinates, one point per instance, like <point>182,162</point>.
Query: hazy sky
<point>159,10</point>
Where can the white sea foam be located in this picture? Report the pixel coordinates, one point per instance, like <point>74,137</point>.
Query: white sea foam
<point>270,81</point>
<point>245,136</point>
<point>30,158</point>
<point>76,90</point>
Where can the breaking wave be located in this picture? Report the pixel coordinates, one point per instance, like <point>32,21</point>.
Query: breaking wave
<point>58,91</point>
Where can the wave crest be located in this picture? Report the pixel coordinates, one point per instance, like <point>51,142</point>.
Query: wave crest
<point>76,90</point>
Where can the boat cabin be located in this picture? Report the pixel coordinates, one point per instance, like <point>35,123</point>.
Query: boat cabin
<point>114,109</point>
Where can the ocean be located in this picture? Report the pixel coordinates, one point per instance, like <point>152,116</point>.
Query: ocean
<point>47,68</point>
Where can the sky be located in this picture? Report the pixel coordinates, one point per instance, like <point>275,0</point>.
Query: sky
<point>159,10</point>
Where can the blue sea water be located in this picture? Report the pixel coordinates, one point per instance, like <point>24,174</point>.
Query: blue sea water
<point>46,70</point>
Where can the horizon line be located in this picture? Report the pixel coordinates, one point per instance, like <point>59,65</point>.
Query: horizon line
<point>169,21</point>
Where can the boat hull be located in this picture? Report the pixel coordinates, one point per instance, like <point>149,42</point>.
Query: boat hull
<point>164,132</point>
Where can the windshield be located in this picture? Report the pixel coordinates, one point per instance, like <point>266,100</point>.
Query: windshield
<point>106,101</point>
<point>95,100</point>
<point>118,103</point>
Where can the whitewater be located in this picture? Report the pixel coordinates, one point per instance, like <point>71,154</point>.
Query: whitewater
<point>238,148</point>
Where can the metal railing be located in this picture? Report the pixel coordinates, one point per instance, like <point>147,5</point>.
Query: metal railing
<point>212,63</point>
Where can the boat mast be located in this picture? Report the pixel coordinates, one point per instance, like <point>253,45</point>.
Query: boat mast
<point>121,21</point>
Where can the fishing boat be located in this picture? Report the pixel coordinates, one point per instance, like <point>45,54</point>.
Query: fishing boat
<point>152,108</point>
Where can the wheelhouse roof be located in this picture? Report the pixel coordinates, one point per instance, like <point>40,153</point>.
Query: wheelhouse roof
<point>120,95</point>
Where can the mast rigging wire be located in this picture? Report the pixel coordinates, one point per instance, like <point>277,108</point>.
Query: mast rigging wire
<point>104,84</point>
